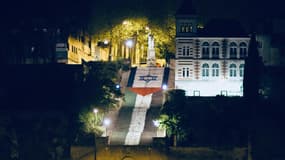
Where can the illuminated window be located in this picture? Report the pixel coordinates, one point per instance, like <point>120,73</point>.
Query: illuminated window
<point>189,28</point>
<point>205,50</point>
<point>215,50</point>
<point>233,50</point>
<point>182,29</point>
<point>241,70</point>
<point>242,50</point>
<point>215,70</point>
<point>185,72</point>
<point>233,70</point>
<point>186,27</point>
<point>205,70</point>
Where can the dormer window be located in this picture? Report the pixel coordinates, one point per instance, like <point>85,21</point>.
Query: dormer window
<point>186,27</point>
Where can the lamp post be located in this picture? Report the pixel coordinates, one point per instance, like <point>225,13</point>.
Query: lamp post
<point>130,43</point>
<point>106,123</point>
<point>156,124</point>
<point>95,111</point>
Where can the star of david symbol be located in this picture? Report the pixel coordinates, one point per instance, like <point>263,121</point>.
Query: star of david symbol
<point>148,78</point>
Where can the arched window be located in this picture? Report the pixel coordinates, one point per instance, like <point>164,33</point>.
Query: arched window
<point>242,50</point>
<point>233,70</point>
<point>215,70</point>
<point>215,50</point>
<point>241,70</point>
<point>205,70</point>
<point>233,50</point>
<point>205,50</point>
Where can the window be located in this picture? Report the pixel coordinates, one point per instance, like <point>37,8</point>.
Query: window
<point>186,50</point>
<point>182,29</point>
<point>196,93</point>
<point>205,50</point>
<point>242,50</point>
<point>233,72</point>
<point>215,50</point>
<point>224,93</point>
<point>205,70</point>
<point>183,50</point>
<point>186,27</point>
<point>185,72</point>
<point>215,70</point>
<point>241,70</point>
<point>233,50</point>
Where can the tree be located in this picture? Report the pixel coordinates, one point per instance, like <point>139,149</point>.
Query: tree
<point>98,87</point>
<point>91,122</point>
<point>97,90</point>
<point>172,115</point>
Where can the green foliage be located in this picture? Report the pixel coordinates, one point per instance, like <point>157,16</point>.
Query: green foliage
<point>138,29</point>
<point>172,113</point>
<point>98,86</point>
<point>98,91</point>
<point>91,122</point>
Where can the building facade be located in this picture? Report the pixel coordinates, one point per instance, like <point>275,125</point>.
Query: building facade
<point>209,60</point>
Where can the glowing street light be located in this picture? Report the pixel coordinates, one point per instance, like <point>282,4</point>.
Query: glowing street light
<point>155,123</point>
<point>106,42</point>
<point>164,87</point>
<point>147,28</point>
<point>107,122</point>
<point>129,43</point>
<point>126,22</point>
<point>95,110</point>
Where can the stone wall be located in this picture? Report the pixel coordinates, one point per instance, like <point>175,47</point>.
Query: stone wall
<point>158,151</point>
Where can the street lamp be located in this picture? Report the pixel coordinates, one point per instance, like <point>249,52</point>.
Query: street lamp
<point>95,111</point>
<point>164,86</point>
<point>129,43</point>
<point>106,123</point>
<point>155,123</point>
<point>106,42</point>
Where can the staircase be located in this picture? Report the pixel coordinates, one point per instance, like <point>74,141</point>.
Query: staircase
<point>134,124</point>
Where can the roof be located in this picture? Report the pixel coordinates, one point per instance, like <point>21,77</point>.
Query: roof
<point>278,40</point>
<point>223,28</point>
<point>186,8</point>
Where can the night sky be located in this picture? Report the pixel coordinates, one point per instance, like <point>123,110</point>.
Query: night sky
<point>56,10</point>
